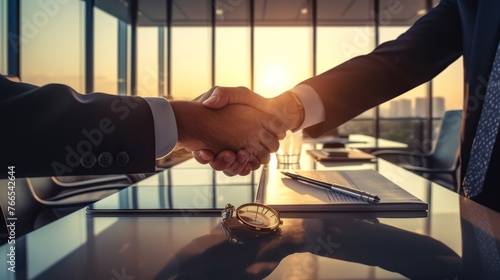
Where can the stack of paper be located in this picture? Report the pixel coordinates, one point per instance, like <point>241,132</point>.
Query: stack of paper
<point>285,194</point>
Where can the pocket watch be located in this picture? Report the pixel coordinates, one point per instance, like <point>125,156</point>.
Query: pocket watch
<point>248,221</point>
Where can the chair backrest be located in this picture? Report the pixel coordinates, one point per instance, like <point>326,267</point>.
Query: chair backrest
<point>445,153</point>
<point>13,78</point>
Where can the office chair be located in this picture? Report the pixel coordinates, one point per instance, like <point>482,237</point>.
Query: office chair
<point>77,181</point>
<point>50,191</point>
<point>70,191</point>
<point>441,164</point>
<point>13,78</point>
<point>40,201</point>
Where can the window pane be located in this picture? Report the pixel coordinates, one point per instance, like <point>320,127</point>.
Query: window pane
<point>345,30</point>
<point>283,45</point>
<point>147,61</point>
<point>191,49</point>
<point>191,61</point>
<point>336,44</point>
<point>400,12</point>
<point>448,85</point>
<point>404,105</point>
<point>404,118</point>
<point>233,44</point>
<point>105,52</point>
<point>232,66</point>
<point>52,43</point>
<point>112,44</point>
<point>283,58</point>
<point>3,37</point>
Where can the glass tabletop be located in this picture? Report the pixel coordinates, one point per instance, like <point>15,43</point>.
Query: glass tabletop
<point>192,244</point>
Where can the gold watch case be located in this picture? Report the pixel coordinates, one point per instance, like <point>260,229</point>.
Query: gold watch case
<point>249,220</point>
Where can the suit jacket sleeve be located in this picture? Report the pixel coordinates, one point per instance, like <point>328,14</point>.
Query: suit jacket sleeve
<point>53,130</point>
<point>427,48</point>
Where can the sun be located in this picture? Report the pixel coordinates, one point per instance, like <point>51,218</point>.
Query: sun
<point>273,79</point>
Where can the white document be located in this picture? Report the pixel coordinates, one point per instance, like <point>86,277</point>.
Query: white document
<point>286,194</point>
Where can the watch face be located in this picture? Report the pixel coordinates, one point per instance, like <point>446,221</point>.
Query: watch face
<point>258,216</point>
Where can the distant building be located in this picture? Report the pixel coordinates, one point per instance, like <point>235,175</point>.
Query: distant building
<point>420,107</point>
<point>400,108</point>
<point>438,107</point>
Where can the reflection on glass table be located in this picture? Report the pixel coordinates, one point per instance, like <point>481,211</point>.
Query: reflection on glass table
<point>443,244</point>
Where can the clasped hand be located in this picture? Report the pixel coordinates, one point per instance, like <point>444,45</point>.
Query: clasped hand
<point>233,136</point>
<point>248,127</point>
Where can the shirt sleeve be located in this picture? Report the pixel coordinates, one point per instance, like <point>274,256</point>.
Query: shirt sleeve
<point>314,110</point>
<point>165,125</point>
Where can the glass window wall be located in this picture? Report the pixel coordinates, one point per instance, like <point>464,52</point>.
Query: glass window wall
<point>404,118</point>
<point>147,61</point>
<point>191,49</point>
<point>448,93</point>
<point>279,67</point>
<point>271,56</point>
<point>105,52</point>
<point>112,44</point>
<point>448,89</point>
<point>233,46</point>
<point>52,42</point>
<point>283,45</point>
<point>191,61</point>
<point>345,30</point>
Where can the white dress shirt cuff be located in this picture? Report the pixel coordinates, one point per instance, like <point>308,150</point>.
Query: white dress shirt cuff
<point>165,125</point>
<point>314,110</point>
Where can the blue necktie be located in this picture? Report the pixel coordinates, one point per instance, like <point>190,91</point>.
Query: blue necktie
<point>485,135</point>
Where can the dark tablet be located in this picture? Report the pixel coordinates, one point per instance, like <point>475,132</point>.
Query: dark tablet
<point>171,199</point>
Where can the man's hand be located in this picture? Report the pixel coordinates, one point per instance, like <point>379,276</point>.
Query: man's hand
<point>229,162</point>
<point>234,128</point>
<point>283,107</point>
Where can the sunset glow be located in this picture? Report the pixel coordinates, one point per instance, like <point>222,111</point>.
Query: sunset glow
<point>273,78</point>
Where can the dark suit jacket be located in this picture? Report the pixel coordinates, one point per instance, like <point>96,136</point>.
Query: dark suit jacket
<point>453,28</point>
<point>53,130</point>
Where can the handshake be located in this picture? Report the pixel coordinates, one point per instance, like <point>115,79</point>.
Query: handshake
<point>234,129</point>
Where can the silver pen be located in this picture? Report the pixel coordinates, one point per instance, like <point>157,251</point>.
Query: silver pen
<point>368,197</point>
